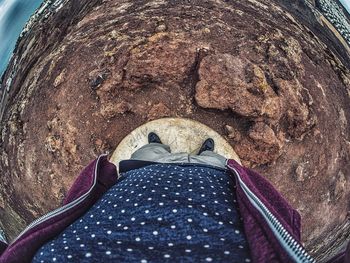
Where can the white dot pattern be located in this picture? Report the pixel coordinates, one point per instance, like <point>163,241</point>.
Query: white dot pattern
<point>157,213</point>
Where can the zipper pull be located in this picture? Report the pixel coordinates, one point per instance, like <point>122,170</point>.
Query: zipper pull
<point>2,236</point>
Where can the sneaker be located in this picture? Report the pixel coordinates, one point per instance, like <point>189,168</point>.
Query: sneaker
<point>153,138</point>
<point>208,145</point>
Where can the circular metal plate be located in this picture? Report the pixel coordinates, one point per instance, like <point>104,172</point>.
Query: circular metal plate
<point>182,135</point>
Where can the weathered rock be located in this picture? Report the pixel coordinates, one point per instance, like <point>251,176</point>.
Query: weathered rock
<point>158,111</point>
<point>60,78</point>
<point>299,117</point>
<point>262,133</point>
<point>148,66</point>
<point>53,143</point>
<point>281,89</point>
<point>261,144</point>
<point>339,189</point>
<point>229,82</point>
<point>304,172</point>
<point>110,110</point>
<point>232,133</point>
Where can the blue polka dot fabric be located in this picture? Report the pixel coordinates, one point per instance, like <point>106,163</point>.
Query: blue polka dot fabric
<point>158,213</point>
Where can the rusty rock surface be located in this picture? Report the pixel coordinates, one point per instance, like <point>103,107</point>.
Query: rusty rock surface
<point>93,72</point>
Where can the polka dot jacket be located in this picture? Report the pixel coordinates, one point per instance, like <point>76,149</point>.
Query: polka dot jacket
<point>158,213</point>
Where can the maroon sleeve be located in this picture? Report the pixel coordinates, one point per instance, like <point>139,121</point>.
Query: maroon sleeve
<point>272,199</point>
<point>107,176</point>
<point>25,247</point>
<point>343,257</point>
<point>3,247</point>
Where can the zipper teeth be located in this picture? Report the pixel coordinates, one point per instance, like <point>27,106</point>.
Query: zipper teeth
<point>60,209</point>
<point>2,236</point>
<point>47,216</point>
<point>299,253</point>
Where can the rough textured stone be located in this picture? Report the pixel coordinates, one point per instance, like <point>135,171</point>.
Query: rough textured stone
<point>158,111</point>
<point>229,82</point>
<point>110,110</point>
<point>95,70</point>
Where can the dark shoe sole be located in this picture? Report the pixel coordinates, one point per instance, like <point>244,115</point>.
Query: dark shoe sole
<point>208,145</point>
<point>153,138</point>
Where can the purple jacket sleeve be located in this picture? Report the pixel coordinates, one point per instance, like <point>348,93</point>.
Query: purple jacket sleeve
<point>259,235</point>
<point>343,257</point>
<point>25,247</point>
<point>3,247</point>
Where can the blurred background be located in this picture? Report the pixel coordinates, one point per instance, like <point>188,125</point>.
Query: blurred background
<point>346,4</point>
<point>13,16</point>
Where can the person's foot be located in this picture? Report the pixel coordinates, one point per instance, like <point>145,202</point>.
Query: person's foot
<point>208,145</point>
<point>153,138</point>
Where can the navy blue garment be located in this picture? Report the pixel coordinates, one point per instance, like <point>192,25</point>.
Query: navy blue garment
<point>158,213</point>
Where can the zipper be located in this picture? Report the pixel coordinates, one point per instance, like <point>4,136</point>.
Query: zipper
<point>2,236</point>
<point>62,209</point>
<point>291,246</point>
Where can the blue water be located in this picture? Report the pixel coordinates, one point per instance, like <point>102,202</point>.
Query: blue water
<point>346,4</point>
<point>13,16</point>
